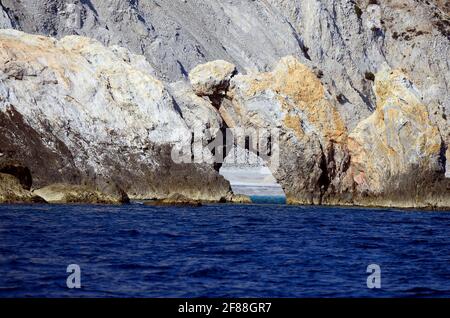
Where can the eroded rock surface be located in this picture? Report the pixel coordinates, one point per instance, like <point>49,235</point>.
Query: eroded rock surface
<point>77,112</point>
<point>395,157</point>
<point>345,41</point>
<point>397,154</point>
<point>291,99</point>
<point>240,199</point>
<point>11,191</point>
<point>175,200</point>
<point>65,193</point>
<point>339,45</point>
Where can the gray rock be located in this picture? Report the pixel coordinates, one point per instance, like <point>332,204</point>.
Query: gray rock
<point>5,22</point>
<point>74,111</point>
<point>212,78</point>
<point>395,157</point>
<point>66,193</point>
<point>397,153</point>
<point>345,41</point>
<point>308,153</point>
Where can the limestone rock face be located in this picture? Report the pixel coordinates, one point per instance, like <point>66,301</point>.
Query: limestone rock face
<point>75,111</point>
<point>175,200</point>
<point>64,193</point>
<point>342,43</point>
<point>395,157</point>
<point>201,117</point>
<point>343,40</point>
<point>11,191</point>
<point>211,78</point>
<point>349,40</point>
<point>397,154</point>
<point>5,22</point>
<point>311,157</point>
<point>447,170</point>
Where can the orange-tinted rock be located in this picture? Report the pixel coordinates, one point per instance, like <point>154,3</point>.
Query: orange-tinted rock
<point>397,152</point>
<point>312,138</point>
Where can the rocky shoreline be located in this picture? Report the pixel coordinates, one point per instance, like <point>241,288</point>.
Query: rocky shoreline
<point>85,120</point>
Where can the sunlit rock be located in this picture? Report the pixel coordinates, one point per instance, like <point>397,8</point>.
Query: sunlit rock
<point>11,191</point>
<point>310,150</point>
<point>76,112</point>
<point>65,193</point>
<point>397,154</point>
<point>212,78</point>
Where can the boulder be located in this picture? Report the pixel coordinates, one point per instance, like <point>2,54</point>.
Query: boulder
<point>175,200</point>
<point>240,199</point>
<point>212,78</point>
<point>66,193</point>
<point>12,191</point>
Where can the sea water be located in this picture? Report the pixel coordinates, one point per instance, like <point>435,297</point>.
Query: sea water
<point>259,250</point>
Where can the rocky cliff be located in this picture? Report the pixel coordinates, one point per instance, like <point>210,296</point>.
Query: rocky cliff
<point>291,98</point>
<point>76,112</point>
<point>395,157</point>
<point>397,154</point>
<point>358,89</point>
<point>345,41</point>
<point>12,191</point>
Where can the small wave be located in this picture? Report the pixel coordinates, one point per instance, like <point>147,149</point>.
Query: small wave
<point>170,234</point>
<point>425,291</point>
<point>9,288</point>
<point>230,252</point>
<point>368,245</point>
<point>210,272</point>
<point>134,266</point>
<point>131,232</point>
<point>253,220</point>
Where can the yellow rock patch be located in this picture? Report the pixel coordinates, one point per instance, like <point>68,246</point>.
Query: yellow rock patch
<point>397,137</point>
<point>299,89</point>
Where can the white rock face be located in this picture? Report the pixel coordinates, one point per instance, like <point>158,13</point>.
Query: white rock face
<point>5,22</point>
<point>343,40</point>
<point>103,104</point>
<point>212,77</point>
<point>447,171</point>
<point>308,155</point>
<point>203,120</point>
<point>397,154</point>
<point>373,15</point>
<point>395,157</point>
<point>82,88</point>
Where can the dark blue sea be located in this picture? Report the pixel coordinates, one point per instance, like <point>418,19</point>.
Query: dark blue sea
<point>222,251</point>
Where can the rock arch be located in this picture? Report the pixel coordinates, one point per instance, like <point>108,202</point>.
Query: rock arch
<point>290,99</point>
<point>319,161</point>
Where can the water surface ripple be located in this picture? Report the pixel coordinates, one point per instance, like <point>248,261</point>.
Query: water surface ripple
<point>222,251</point>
